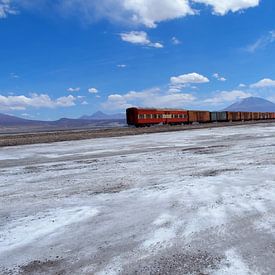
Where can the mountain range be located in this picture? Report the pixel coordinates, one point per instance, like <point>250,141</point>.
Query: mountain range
<point>10,123</point>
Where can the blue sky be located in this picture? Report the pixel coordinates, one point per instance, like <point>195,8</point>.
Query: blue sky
<point>75,57</point>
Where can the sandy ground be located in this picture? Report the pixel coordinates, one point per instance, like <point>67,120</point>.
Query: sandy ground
<point>191,202</point>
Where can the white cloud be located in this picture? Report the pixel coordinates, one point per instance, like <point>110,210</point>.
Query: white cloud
<point>121,66</point>
<point>264,83</point>
<point>73,90</point>
<point>241,85</point>
<point>218,77</point>
<point>148,98</point>
<point>23,102</point>
<point>262,42</point>
<point>93,91</point>
<point>140,38</point>
<point>175,41</point>
<point>227,96</point>
<point>6,8</point>
<point>156,45</point>
<point>222,7</point>
<point>145,12</point>
<point>188,78</point>
<point>151,12</point>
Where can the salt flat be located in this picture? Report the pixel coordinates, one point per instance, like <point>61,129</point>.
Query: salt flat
<point>192,202</point>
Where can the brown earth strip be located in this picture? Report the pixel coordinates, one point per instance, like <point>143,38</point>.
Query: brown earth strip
<point>56,136</point>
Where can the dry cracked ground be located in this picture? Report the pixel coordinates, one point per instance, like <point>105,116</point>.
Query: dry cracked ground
<point>192,202</point>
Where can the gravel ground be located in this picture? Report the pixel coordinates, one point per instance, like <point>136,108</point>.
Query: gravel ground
<point>187,202</point>
<point>30,136</point>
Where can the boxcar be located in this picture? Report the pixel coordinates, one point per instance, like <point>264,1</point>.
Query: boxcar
<point>261,116</point>
<point>147,117</point>
<point>199,116</point>
<point>218,116</point>
<point>255,116</point>
<point>245,116</point>
<point>234,116</point>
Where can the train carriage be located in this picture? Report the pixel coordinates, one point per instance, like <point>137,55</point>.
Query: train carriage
<point>255,115</point>
<point>246,116</point>
<point>234,116</point>
<point>146,117</point>
<point>218,116</point>
<point>199,116</point>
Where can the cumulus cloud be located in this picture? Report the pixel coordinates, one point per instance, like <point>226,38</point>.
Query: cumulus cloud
<point>6,8</point>
<point>188,78</point>
<point>151,12</point>
<point>140,38</point>
<point>219,77</point>
<point>145,12</point>
<point>150,98</point>
<point>23,102</point>
<point>222,7</point>
<point>93,91</point>
<point>264,83</point>
<point>73,90</point>
<point>227,96</point>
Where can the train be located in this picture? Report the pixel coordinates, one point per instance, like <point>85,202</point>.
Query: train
<point>141,117</point>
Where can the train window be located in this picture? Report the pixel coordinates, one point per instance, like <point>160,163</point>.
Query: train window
<point>148,116</point>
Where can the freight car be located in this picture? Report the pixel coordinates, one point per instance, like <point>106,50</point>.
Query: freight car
<point>198,116</point>
<point>146,117</point>
<point>218,116</point>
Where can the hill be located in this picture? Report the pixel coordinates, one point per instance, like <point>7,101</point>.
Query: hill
<point>252,104</point>
<point>10,123</point>
<point>8,120</point>
<point>102,116</point>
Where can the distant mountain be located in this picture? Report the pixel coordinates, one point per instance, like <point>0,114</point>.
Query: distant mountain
<point>102,116</point>
<point>13,123</point>
<point>8,120</point>
<point>252,104</point>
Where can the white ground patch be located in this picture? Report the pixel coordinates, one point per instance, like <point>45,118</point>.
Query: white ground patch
<point>27,230</point>
<point>234,265</point>
<point>104,205</point>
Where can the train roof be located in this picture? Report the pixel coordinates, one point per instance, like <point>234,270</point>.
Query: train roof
<point>157,109</point>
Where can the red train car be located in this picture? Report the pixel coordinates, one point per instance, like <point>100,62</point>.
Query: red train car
<point>146,117</point>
